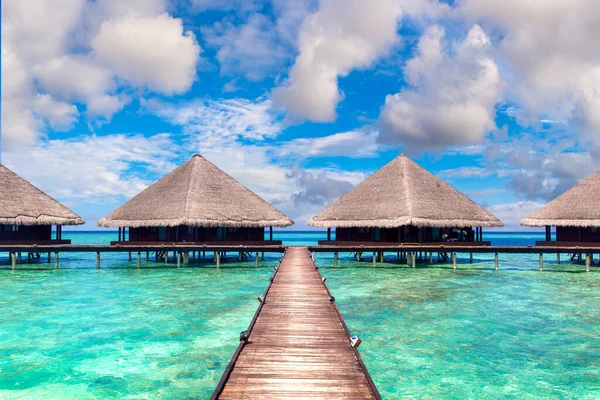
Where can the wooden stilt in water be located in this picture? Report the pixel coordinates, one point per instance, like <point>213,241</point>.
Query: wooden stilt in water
<point>470,258</point>
<point>129,257</point>
<point>256,259</point>
<point>139,259</point>
<point>178,259</point>
<point>13,260</point>
<point>588,261</point>
<point>98,259</point>
<point>413,259</point>
<point>374,259</point>
<point>147,256</point>
<point>49,258</point>
<point>263,256</point>
<point>496,261</point>
<point>541,262</point>
<point>335,259</point>
<point>408,258</point>
<point>558,258</point>
<point>240,256</point>
<point>453,260</point>
<point>218,260</point>
<point>166,257</point>
<point>20,255</point>
<point>56,259</point>
<point>431,257</point>
<point>381,256</point>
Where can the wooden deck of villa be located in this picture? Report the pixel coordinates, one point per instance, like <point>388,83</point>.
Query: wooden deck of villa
<point>297,345</point>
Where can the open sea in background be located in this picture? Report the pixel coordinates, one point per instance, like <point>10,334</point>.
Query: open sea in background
<point>433,332</point>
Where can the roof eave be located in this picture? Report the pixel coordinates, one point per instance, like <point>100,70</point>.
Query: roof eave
<point>396,223</point>
<point>575,223</point>
<point>280,223</point>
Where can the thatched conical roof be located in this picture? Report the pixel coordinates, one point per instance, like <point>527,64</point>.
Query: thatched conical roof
<point>402,193</point>
<point>196,193</point>
<point>21,203</point>
<point>577,207</point>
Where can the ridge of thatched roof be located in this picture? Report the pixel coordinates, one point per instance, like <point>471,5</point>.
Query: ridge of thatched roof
<point>403,193</point>
<point>196,194</point>
<point>21,203</point>
<point>577,207</point>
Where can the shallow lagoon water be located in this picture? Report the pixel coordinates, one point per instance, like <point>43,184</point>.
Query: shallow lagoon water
<point>432,332</point>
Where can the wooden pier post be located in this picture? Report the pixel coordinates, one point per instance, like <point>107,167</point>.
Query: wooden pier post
<point>178,259</point>
<point>166,257</point>
<point>98,259</point>
<point>129,257</point>
<point>49,258</point>
<point>147,256</point>
<point>257,259</point>
<point>558,258</point>
<point>263,256</point>
<point>541,262</point>
<point>56,259</point>
<point>470,258</point>
<point>186,257</point>
<point>588,261</point>
<point>240,257</point>
<point>453,260</point>
<point>381,256</point>
<point>496,261</point>
<point>139,259</point>
<point>431,257</point>
<point>218,259</point>
<point>20,258</point>
<point>13,260</point>
<point>335,259</point>
<point>413,259</point>
<point>374,259</point>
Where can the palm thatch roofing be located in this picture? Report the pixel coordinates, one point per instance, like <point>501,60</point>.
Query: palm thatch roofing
<point>577,207</point>
<point>402,193</point>
<point>21,203</point>
<point>196,194</point>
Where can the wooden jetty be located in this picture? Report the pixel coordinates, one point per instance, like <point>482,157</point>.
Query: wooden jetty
<point>297,345</point>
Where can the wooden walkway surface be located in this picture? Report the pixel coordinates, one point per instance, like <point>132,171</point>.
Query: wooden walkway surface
<point>297,345</point>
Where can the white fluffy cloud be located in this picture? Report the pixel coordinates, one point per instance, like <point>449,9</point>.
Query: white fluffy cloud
<point>61,116</point>
<point>552,54</point>
<point>513,213</point>
<point>360,143</point>
<point>151,51</point>
<point>341,36</point>
<point>453,96</point>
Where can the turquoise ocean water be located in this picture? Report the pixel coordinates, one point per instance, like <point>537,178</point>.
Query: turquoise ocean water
<point>431,332</point>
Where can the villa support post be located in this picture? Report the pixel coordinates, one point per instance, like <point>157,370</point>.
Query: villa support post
<point>262,256</point>
<point>13,260</point>
<point>413,259</point>
<point>49,257</point>
<point>374,259</point>
<point>56,259</point>
<point>178,259</point>
<point>98,259</point>
<point>147,256</point>
<point>588,261</point>
<point>408,258</point>
<point>453,260</point>
<point>558,258</point>
<point>218,260</point>
<point>431,257</point>
<point>166,257</point>
<point>257,259</point>
<point>240,256</point>
<point>129,256</point>
<point>470,258</point>
<point>496,261</point>
<point>20,258</point>
<point>335,259</point>
<point>381,256</point>
<point>541,262</point>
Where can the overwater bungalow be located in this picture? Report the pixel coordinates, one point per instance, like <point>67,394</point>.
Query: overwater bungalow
<point>27,214</point>
<point>575,214</point>
<point>196,203</point>
<point>404,203</point>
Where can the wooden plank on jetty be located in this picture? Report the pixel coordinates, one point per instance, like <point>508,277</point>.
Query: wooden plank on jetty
<point>297,345</point>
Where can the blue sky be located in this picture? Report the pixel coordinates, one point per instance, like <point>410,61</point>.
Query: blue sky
<point>301,99</point>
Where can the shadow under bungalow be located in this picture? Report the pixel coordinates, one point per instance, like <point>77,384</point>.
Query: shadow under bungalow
<point>404,203</point>
<point>196,203</point>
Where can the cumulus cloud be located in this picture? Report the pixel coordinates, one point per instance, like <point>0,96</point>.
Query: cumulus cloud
<point>552,55</point>
<point>61,116</point>
<point>453,95</point>
<point>152,51</point>
<point>360,143</point>
<point>341,36</point>
<point>513,213</point>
